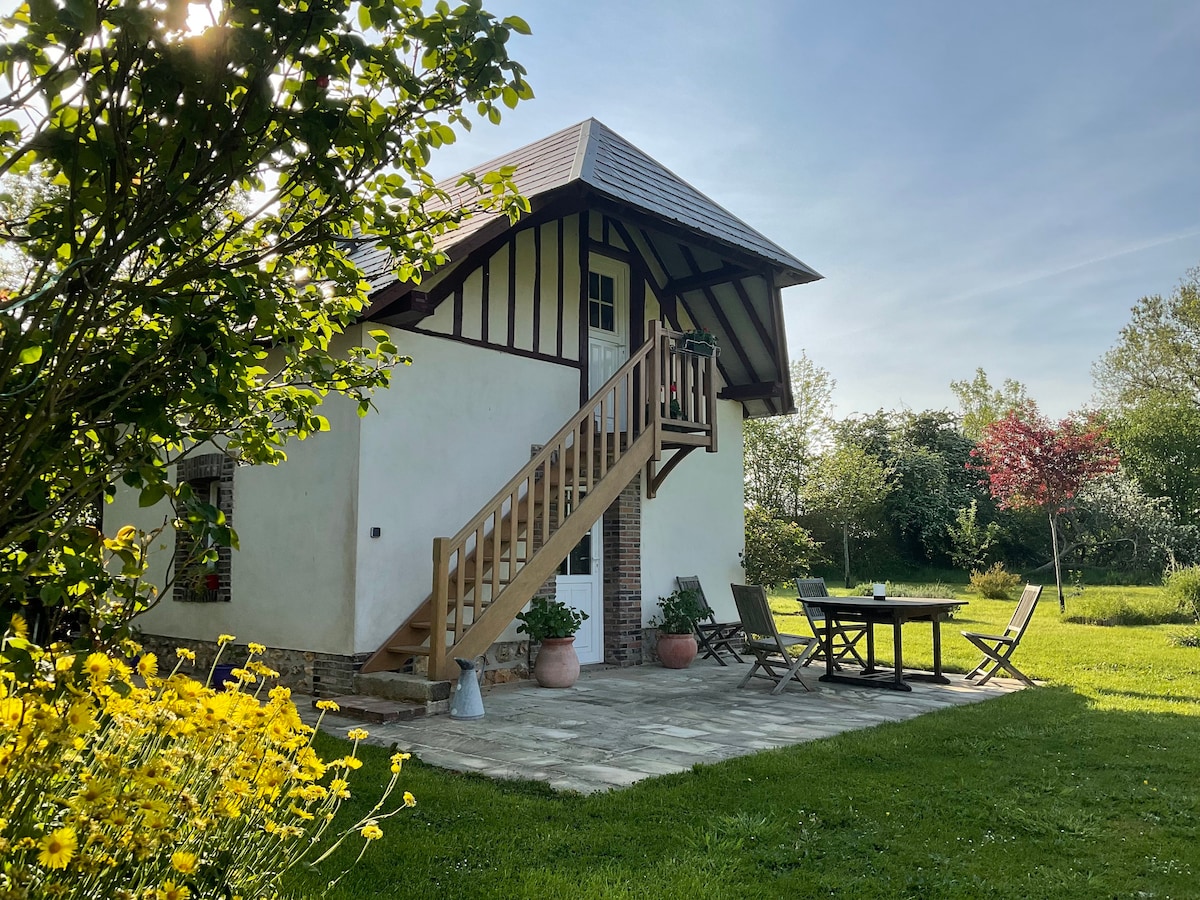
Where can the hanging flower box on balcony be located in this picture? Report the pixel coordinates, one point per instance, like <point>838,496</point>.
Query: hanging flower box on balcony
<point>701,342</point>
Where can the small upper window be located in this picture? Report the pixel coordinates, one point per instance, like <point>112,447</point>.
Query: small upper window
<point>601,302</point>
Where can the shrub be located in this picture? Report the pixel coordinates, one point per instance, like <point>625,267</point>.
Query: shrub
<point>1185,637</point>
<point>122,785</point>
<point>995,583</point>
<point>777,550</point>
<point>1183,586</point>
<point>1122,610</point>
<point>930,591</point>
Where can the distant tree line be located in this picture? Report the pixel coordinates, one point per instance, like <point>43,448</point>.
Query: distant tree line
<point>890,490</point>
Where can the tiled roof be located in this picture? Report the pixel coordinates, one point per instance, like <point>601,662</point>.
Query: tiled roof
<point>591,153</point>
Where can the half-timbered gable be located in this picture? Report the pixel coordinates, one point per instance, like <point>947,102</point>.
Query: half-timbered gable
<point>591,192</point>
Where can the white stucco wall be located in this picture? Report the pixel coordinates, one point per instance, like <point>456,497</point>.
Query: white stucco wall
<point>695,525</point>
<point>455,427</point>
<point>293,578</point>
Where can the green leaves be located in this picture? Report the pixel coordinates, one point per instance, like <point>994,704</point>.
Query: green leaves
<point>162,302</point>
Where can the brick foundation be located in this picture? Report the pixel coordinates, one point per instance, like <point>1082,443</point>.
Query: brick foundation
<point>306,671</point>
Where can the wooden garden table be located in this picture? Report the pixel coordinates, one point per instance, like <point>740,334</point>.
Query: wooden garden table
<point>895,611</point>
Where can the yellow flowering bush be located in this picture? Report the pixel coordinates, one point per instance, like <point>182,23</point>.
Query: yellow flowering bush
<point>117,781</point>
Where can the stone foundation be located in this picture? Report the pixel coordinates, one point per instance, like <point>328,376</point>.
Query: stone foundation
<point>306,671</point>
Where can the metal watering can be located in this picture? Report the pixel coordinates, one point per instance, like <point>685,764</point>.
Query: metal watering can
<point>467,702</point>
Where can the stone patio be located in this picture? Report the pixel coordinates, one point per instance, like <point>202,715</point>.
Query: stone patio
<point>618,726</point>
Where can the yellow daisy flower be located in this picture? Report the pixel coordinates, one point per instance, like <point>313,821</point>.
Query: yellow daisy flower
<point>19,626</point>
<point>80,718</point>
<point>409,799</point>
<point>172,891</point>
<point>97,665</point>
<point>11,711</point>
<point>57,848</point>
<point>371,831</point>
<point>147,666</point>
<point>183,862</point>
<point>356,734</point>
<point>257,649</point>
<point>224,639</point>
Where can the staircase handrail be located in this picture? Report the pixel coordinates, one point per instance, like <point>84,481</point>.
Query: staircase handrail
<point>539,459</point>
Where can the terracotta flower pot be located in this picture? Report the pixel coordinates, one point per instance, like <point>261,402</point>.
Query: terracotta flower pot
<point>557,665</point>
<point>676,651</point>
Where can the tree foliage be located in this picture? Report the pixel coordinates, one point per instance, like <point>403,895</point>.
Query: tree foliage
<point>846,486</point>
<point>777,550</point>
<point>1031,463</point>
<point>1158,352</point>
<point>187,279</point>
<point>982,404</point>
<point>1114,524</point>
<point>1158,437</point>
<point>777,451</point>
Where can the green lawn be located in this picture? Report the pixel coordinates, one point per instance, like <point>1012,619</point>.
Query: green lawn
<point>1087,787</point>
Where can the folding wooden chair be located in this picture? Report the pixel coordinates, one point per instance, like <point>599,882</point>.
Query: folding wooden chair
<point>844,635</point>
<point>772,650</point>
<point>997,648</point>
<point>714,637</point>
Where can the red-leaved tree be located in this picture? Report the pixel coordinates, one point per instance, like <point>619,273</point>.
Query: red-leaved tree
<point>1031,463</point>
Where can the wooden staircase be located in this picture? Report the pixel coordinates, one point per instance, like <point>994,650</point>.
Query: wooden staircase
<point>499,560</point>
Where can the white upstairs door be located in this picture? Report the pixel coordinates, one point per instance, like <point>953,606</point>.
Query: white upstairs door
<point>580,584</point>
<point>608,323</point>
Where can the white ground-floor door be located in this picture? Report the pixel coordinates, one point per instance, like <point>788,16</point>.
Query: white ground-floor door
<point>580,584</point>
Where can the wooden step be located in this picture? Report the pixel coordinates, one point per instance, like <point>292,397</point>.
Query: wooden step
<point>408,650</point>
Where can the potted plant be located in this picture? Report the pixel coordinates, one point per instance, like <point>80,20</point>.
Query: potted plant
<point>553,624</point>
<point>679,611</point>
<point>701,341</point>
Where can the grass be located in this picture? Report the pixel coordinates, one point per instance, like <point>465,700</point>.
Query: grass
<point>1088,787</point>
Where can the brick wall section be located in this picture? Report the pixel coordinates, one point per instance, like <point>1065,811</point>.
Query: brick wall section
<point>623,577</point>
<point>306,671</point>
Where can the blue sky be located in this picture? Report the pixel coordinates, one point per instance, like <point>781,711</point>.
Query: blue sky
<point>985,185</point>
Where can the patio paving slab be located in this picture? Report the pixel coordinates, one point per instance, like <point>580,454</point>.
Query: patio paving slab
<point>619,726</point>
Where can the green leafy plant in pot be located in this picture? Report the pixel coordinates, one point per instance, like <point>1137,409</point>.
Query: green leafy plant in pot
<point>700,341</point>
<point>678,612</point>
<point>553,624</point>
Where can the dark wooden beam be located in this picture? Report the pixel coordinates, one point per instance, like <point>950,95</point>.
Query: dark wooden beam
<point>666,302</point>
<point>690,259</point>
<point>788,401</point>
<point>584,362</point>
<point>686,235</point>
<point>516,351</point>
<point>712,277</point>
<point>603,249</point>
<point>413,307</point>
<point>769,341</point>
<point>760,390</point>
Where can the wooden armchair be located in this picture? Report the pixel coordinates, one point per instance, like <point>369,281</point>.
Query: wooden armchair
<point>997,648</point>
<point>713,637</point>
<point>843,636</point>
<point>772,650</point>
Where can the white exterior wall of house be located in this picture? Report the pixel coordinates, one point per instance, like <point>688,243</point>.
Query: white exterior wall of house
<point>454,428</point>
<point>696,523</point>
<point>293,579</point>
